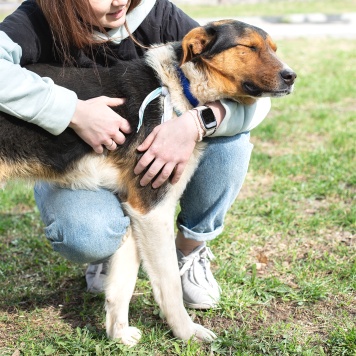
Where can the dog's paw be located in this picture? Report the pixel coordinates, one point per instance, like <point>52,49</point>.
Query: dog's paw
<point>129,336</point>
<point>203,334</point>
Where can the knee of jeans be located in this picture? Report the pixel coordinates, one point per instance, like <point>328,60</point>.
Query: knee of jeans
<point>231,159</point>
<point>87,241</point>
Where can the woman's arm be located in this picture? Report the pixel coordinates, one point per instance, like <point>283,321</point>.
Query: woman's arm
<point>26,38</point>
<point>39,101</point>
<point>29,97</point>
<point>241,118</point>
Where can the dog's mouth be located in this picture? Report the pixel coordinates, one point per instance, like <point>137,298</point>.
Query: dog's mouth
<point>255,91</point>
<point>252,89</point>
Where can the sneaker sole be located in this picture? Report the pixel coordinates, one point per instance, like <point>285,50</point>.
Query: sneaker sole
<point>202,306</point>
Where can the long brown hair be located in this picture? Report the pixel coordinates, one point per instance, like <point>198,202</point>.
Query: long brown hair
<point>72,23</point>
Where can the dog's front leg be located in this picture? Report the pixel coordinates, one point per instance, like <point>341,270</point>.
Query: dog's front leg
<point>120,285</point>
<point>155,240</point>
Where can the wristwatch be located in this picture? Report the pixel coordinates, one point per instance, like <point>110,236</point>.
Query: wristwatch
<point>207,119</point>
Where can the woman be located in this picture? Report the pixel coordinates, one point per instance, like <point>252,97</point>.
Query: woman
<point>87,226</point>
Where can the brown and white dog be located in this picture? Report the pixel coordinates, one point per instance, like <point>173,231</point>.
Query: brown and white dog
<point>222,60</point>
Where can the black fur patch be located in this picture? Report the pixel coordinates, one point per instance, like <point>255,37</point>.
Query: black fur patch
<point>227,35</point>
<point>21,141</point>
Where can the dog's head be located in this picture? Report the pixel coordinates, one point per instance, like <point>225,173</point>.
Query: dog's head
<point>239,60</point>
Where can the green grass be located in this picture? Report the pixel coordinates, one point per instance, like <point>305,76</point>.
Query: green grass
<point>286,261</point>
<point>271,8</point>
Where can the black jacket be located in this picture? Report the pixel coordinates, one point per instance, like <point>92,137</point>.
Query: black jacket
<point>28,27</point>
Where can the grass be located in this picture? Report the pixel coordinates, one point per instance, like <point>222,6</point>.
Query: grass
<point>270,8</point>
<point>286,261</point>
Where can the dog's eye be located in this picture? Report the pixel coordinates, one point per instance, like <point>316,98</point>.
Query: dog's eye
<point>251,47</point>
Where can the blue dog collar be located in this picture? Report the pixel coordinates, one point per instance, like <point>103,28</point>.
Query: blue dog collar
<point>186,88</point>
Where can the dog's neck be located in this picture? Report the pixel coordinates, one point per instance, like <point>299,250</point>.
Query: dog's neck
<point>164,61</point>
<point>184,81</point>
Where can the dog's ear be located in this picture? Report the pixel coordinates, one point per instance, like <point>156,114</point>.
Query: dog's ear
<point>194,43</point>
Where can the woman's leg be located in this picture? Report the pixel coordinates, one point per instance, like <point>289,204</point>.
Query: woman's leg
<point>214,186</point>
<point>83,226</point>
<point>204,204</point>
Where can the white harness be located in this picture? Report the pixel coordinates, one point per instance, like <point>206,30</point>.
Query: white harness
<point>167,105</point>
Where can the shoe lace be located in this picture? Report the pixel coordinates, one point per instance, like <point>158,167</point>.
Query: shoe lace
<point>203,257</point>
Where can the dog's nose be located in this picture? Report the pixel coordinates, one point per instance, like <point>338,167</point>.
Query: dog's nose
<point>288,76</point>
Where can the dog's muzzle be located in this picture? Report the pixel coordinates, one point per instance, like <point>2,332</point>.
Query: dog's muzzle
<point>286,78</point>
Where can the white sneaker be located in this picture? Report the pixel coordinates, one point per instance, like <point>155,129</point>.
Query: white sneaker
<point>95,276</point>
<point>200,289</point>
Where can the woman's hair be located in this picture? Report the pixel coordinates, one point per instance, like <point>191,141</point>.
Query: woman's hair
<point>72,23</point>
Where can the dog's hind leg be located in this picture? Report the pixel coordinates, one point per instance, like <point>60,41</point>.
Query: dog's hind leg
<point>120,285</point>
<point>155,233</point>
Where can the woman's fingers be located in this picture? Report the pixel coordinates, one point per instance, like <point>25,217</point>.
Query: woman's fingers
<point>111,146</point>
<point>98,125</point>
<point>166,172</point>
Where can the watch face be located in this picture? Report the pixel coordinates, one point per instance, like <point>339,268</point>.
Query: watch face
<point>209,118</point>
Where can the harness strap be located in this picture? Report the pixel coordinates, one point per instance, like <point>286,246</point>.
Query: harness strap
<point>167,105</point>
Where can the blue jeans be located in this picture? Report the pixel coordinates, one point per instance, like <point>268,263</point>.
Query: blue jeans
<point>88,226</point>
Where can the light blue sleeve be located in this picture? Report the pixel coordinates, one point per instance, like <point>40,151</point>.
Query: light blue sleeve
<point>241,118</point>
<point>29,97</point>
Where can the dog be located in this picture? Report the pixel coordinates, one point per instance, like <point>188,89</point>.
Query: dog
<point>223,60</point>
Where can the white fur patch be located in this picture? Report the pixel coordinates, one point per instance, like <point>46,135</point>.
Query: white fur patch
<point>92,172</point>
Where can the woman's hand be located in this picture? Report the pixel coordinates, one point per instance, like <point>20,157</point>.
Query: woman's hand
<point>168,147</point>
<point>97,124</point>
